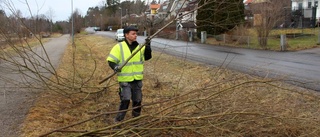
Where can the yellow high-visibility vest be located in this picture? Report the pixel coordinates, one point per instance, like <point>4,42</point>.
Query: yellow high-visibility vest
<point>133,70</point>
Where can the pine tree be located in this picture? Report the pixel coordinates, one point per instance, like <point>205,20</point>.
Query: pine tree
<point>217,17</point>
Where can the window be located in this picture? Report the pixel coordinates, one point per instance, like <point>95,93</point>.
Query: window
<point>300,6</point>
<point>316,3</point>
<point>165,7</point>
<point>309,3</point>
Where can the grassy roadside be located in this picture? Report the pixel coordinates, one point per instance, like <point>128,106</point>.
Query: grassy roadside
<point>181,98</point>
<point>12,45</point>
<point>250,39</point>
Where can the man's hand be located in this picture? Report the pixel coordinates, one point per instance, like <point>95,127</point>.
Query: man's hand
<point>117,69</point>
<point>148,41</point>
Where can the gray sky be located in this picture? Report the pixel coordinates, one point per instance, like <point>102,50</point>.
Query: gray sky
<point>61,8</point>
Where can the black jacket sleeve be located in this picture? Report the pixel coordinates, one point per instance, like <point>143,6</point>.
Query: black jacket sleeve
<point>112,64</point>
<point>147,52</point>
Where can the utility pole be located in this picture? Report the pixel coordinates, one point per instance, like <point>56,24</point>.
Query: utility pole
<point>314,16</point>
<point>120,17</point>
<point>72,29</point>
<point>100,21</point>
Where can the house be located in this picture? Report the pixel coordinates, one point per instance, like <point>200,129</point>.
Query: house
<point>164,9</point>
<point>259,11</point>
<point>173,8</point>
<point>307,10</point>
<point>297,13</point>
<point>168,9</point>
<point>154,8</point>
<point>189,11</point>
<point>247,12</point>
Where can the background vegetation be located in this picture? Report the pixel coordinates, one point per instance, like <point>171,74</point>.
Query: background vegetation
<point>216,17</point>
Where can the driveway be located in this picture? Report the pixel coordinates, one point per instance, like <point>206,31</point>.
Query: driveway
<point>301,68</point>
<point>14,101</point>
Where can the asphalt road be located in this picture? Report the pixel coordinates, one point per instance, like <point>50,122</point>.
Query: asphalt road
<point>16,100</point>
<point>301,68</point>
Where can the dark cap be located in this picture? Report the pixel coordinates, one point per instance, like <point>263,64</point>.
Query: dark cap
<point>129,28</point>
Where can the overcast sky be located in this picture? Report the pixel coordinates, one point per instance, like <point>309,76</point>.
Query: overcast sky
<point>61,8</point>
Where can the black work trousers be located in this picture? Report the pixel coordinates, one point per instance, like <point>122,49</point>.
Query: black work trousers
<point>130,90</point>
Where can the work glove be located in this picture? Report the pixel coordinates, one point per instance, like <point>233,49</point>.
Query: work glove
<point>117,69</point>
<point>148,41</point>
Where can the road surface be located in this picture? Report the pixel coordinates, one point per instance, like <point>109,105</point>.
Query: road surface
<point>15,102</point>
<point>301,68</point>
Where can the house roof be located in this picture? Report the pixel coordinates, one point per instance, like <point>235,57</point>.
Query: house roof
<point>165,6</point>
<point>248,1</point>
<point>154,6</point>
<point>191,5</point>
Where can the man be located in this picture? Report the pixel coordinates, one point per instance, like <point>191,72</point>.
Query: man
<point>131,75</point>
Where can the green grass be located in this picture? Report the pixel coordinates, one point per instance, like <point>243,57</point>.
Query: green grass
<point>307,41</point>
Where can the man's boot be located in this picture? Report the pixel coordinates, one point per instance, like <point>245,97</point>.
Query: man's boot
<point>136,112</point>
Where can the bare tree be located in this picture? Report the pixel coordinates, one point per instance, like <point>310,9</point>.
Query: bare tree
<point>78,21</point>
<point>266,15</point>
<point>50,16</point>
<point>195,112</point>
<point>18,54</point>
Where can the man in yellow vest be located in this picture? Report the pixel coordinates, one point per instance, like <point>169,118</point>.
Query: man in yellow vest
<point>130,76</point>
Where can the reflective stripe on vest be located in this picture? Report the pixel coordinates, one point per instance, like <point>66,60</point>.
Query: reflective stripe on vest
<point>114,58</point>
